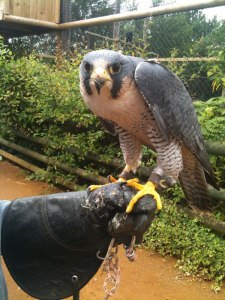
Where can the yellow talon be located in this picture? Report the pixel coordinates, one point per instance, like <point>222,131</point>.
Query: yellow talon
<point>112,180</point>
<point>147,189</point>
<point>134,182</point>
<point>94,187</point>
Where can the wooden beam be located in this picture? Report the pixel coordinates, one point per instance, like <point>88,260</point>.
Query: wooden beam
<point>144,172</point>
<point>53,162</point>
<point>115,162</point>
<point>205,219</point>
<point>21,162</point>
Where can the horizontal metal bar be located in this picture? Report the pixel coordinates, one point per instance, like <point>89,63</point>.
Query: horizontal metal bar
<point>153,11</point>
<point>104,37</point>
<point>160,59</point>
<point>30,22</point>
<point>186,59</point>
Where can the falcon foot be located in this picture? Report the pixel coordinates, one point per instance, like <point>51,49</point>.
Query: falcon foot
<point>147,189</point>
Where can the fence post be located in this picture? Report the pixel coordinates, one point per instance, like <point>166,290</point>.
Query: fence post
<point>63,36</point>
<point>116,26</point>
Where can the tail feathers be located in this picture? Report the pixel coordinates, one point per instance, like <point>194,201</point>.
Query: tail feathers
<point>204,159</point>
<point>193,182</point>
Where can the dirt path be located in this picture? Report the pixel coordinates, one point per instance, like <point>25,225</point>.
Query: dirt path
<point>150,278</point>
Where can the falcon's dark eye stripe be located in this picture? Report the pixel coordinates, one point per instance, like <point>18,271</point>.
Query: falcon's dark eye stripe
<point>115,68</point>
<point>87,67</point>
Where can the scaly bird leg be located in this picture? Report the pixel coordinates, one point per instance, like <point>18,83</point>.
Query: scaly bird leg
<point>149,188</point>
<point>123,177</point>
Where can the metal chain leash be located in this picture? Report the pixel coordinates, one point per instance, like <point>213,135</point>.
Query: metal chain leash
<point>112,270</point>
<point>111,266</point>
<point>129,251</point>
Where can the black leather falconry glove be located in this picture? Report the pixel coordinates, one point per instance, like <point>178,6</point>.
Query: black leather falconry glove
<point>48,240</point>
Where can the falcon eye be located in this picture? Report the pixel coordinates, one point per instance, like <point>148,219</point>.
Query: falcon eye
<point>87,67</point>
<point>115,68</point>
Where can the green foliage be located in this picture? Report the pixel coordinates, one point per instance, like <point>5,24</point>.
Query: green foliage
<point>211,115</point>
<point>199,251</point>
<point>186,34</point>
<point>216,72</point>
<point>45,101</point>
<point>5,53</point>
<point>185,30</point>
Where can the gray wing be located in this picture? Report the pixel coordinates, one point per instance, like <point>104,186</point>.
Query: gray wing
<point>172,107</point>
<point>109,126</point>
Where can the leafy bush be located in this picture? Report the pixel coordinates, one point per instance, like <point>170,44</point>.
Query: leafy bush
<point>216,72</point>
<point>211,115</point>
<point>198,249</point>
<point>42,100</point>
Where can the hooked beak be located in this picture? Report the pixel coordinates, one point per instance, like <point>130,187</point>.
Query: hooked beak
<point>100,76</point>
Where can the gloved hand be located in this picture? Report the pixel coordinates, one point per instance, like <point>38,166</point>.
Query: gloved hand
<point>108,205</point>
<point>58,236</point>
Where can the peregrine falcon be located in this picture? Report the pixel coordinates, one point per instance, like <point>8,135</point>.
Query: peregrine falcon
<point>146,104</point>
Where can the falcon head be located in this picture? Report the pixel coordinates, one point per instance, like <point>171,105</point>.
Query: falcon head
<point>104,71</point>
